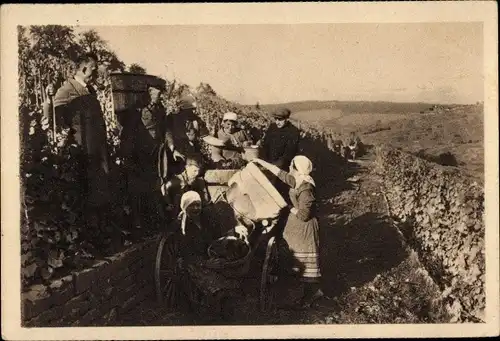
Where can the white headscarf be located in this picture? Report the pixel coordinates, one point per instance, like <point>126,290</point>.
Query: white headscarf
<point>303,167</point>
<point>187,199</point>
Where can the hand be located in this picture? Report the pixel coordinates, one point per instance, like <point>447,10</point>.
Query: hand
<point>247,144</point>
<point>177,155</point>
<point>294,210</point>
<point>180,263</point>
<point>242,232</point>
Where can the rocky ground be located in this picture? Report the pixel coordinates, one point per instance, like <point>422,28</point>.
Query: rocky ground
<point>369,274</point>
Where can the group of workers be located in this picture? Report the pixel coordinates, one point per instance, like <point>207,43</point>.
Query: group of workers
<point>165,164</point>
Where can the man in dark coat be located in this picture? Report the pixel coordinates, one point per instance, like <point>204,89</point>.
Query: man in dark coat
<point>77,108</point>
<point>281,140</point>
<point>280,145</point>
<point>144,181</point>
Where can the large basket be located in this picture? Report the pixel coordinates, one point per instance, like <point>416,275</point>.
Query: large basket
<point>231,269</point>
<point>251,153</point>
<point>130,91</point>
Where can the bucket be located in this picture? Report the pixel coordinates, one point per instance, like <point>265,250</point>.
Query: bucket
<point>130,90</point>
<point>251,153</point>
<point>250,185</point>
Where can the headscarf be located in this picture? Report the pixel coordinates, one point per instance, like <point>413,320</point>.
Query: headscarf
<point>187,199</point>
<point>231,116</point>
<point>303,168</point>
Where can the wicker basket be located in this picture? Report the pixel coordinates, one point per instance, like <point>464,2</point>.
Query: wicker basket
<point>131,90</point>
<point>232,269</point>
<point>135,82</point>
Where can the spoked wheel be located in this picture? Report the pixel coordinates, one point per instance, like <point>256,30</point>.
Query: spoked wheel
<point>167,272</point>
<point>268,277</point>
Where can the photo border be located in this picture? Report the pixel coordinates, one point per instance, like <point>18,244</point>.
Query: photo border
<point>249,13</point>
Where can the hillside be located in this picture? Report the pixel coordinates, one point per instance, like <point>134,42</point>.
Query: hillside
<point>348,107</point>
<point>455,131</point>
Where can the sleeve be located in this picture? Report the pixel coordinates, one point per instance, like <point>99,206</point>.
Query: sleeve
<point>201,188</point>
<point>265,145</point>
<point>223,137</point>
<point>146,117</point>
<point>286,178</point>
<point>64,116</point>
<point>202,128</point>
<point>62,105</point>
<point>169,137</point>
<point>290,149</point>
<point>305,203</point>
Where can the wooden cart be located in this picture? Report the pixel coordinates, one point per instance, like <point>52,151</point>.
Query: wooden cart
<point>216,287</point>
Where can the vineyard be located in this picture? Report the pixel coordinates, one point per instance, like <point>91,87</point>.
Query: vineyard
<point>54,242</point>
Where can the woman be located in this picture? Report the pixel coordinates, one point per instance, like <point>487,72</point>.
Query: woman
<point>301,231</point>
<point>194,236</point>
<point>196,229</point>
<point>234,139</point>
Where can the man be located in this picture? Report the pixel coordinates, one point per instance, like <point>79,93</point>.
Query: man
<point>180,123</point>
<point>281,140</point>
<point>77,108</point>
<point>234,139</point>
<point>179,130</point>
<point>353,147</point>
<point>192,176</point>
<point>280,145</point>
<point>144,182</point>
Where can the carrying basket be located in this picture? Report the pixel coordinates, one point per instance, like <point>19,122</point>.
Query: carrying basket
<point>130,91</point>
<point>231,269</point>
<point>251,153</point>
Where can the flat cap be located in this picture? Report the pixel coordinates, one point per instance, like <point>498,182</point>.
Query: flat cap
<point>281,113</point>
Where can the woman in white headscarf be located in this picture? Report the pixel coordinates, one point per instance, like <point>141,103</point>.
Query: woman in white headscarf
<point>192,227</point>
<point>301,231</point>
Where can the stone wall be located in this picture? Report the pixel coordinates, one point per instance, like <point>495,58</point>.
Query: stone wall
<point>95,296</point>
<point>441,213</point>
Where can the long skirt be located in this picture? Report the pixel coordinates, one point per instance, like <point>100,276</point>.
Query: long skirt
<point>300,250</point>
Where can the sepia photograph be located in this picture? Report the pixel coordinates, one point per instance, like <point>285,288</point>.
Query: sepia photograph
<point>236,171</point>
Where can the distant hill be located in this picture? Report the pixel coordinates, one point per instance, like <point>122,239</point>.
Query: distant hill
<point>348,107</point>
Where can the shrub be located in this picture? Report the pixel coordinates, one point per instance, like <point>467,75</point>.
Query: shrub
<point>444,211</point>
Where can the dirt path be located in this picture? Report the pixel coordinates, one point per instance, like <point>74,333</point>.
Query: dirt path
<point>369,274</point>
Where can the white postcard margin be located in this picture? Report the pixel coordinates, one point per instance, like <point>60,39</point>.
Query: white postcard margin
<point>263,13</point>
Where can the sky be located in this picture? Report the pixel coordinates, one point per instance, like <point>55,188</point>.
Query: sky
<point>420,62</point>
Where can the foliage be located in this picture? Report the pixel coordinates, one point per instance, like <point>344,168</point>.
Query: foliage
<point>51,210</point>
<point>90,41</point>
<point>442,211</point>
<point>137,69</point>
<point>51,226</point>
<point>53,237</point>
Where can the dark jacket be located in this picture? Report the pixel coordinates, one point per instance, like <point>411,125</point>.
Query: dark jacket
<point>79,109</point>
<point>154,120</point>
<point>280,145</point>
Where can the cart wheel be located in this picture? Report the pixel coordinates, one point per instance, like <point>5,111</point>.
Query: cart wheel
<point>270,262</point>
<point>167,274</point>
